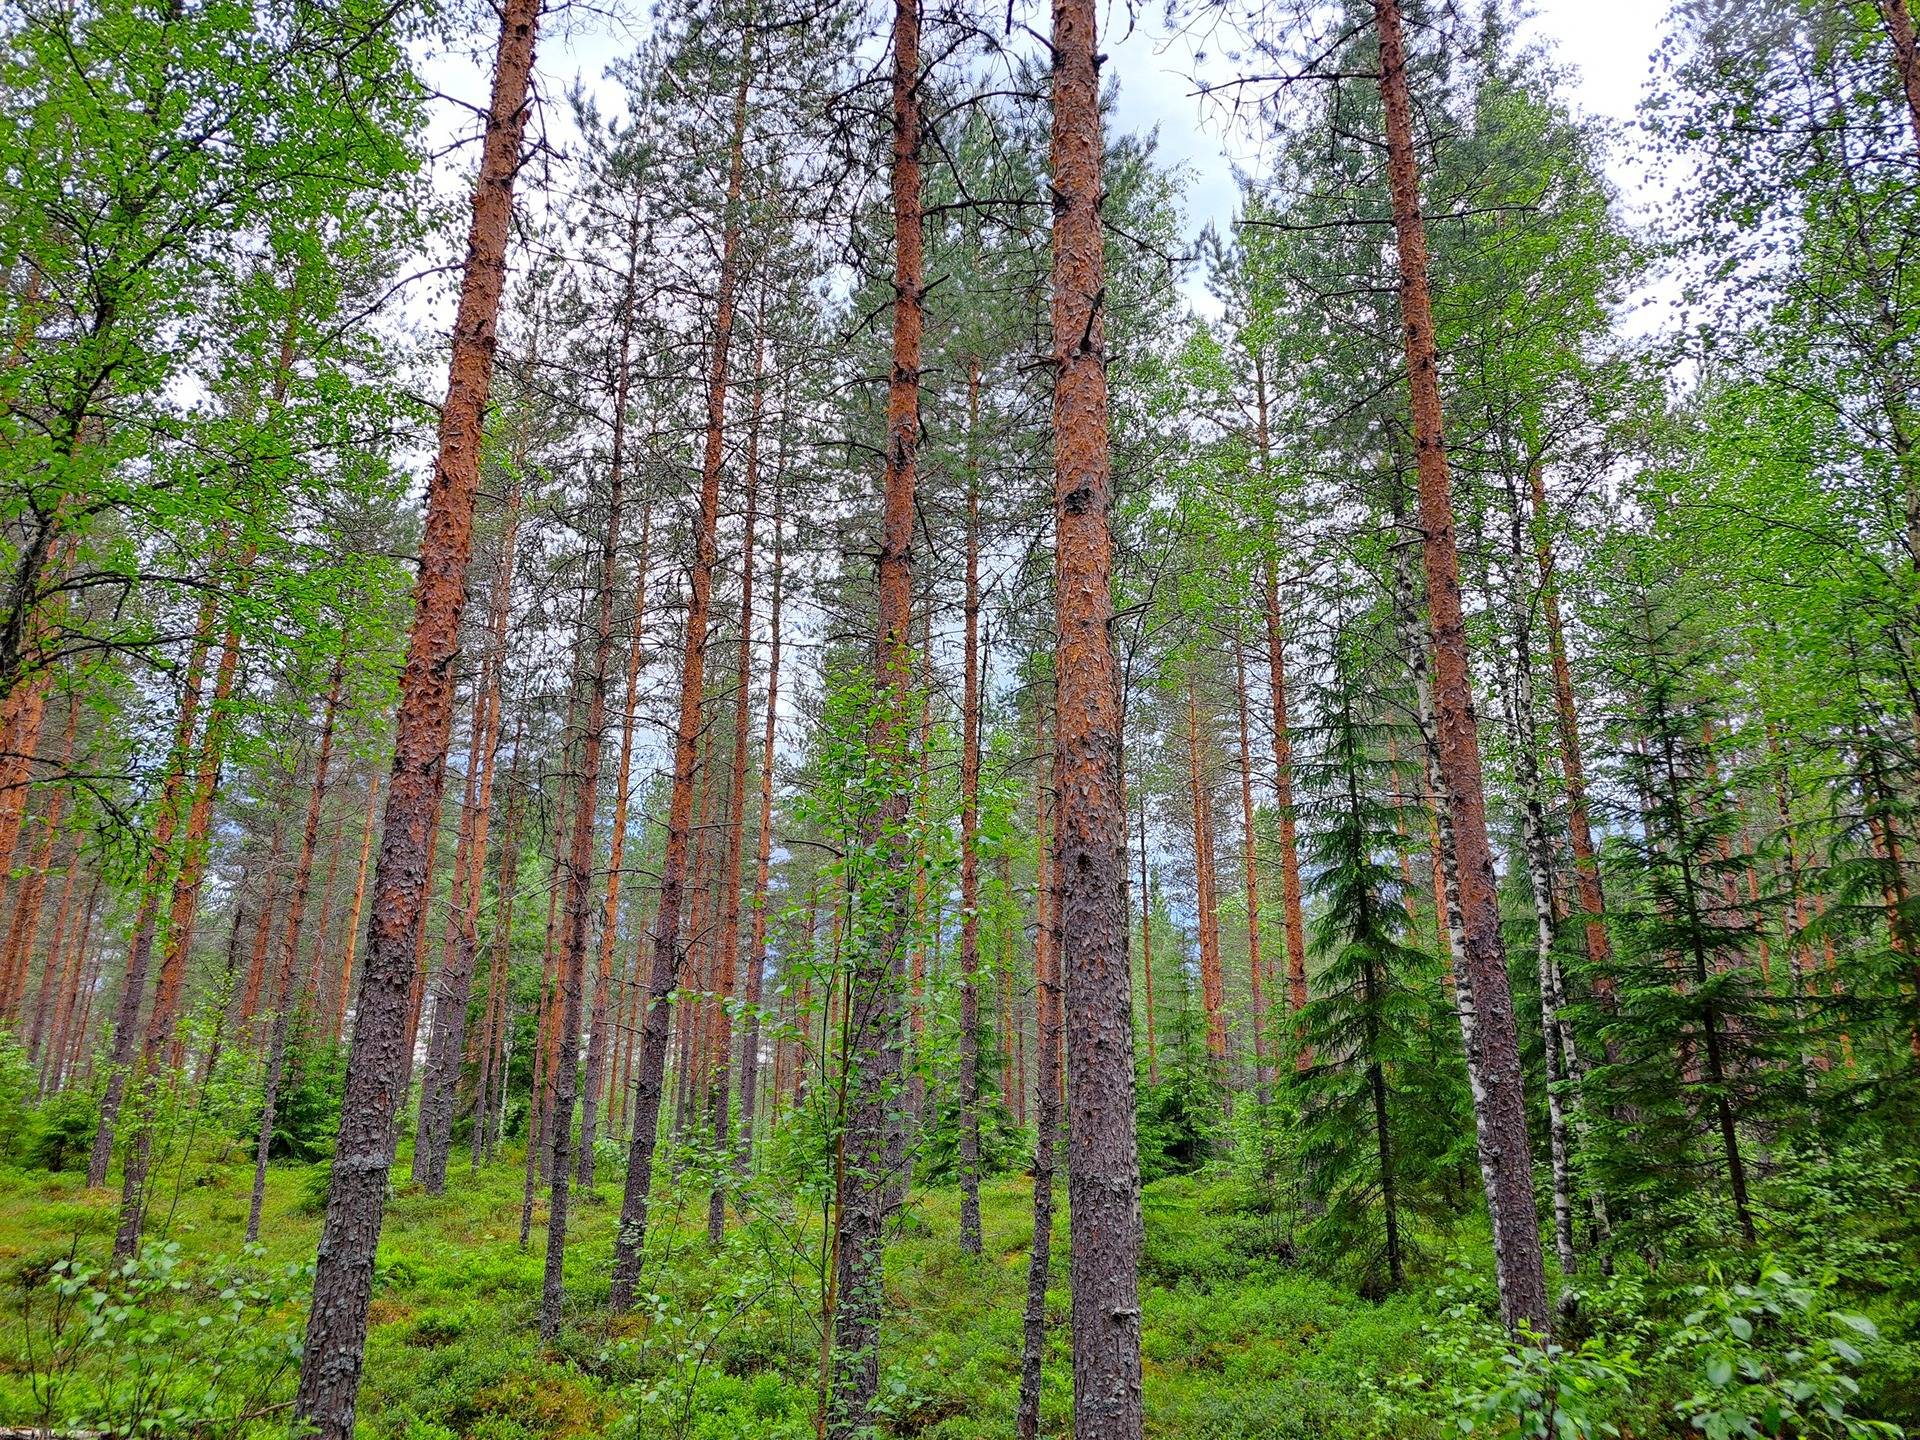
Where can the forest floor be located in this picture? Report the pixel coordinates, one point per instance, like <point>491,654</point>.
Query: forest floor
<point>1241,1339</point>
<point>726,1342</point>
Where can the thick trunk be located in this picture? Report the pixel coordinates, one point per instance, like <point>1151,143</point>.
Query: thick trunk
<point>873,1107</point>
<point>1103,1165</point>
<point>284,998</point>
<point>665,973</point>
<point>1048,1024</point>
<point>1493,1052</point>
<point>356,1198</point>
<point>970,1236</point>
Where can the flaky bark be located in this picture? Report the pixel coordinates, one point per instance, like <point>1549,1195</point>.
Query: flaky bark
<point>1103,1166</point>
<point>631,1233</point>
<point>343,1280</point>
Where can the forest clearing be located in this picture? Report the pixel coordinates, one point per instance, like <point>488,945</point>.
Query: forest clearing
<point>749,720</point>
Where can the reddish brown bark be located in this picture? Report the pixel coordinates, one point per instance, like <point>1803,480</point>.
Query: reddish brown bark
<point>1103,1170</point>
<point>21,716</point>
<point>1493,1049</point>
<point>665,969</point>
<point>1898,19</point>
<point>25,926</point>
<point>69,1013</point>
<point>343,1281</point>
<point>54,972</point>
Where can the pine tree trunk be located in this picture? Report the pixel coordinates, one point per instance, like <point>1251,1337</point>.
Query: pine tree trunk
<point>631,1233</point>
<point>164,1016</point>
<point>133,987</point>
<point>1103,1165</point>
<point>1494,1054</point>
<point>284,999</point>
<point>763,851</point>
<point>446,1036</point>
<point>579,907</point>
<point>1250,863</point>
<point>74,985</point>
<point>353,911</point>
<point>727,960</point>
<point>1049,1021</point>
<point>1146,938</point>
<point>601,1042</point>
<point>1898,20</point>
<point>874,1021</point>
<point>970,1233</point>
<point>356,1198</point>
<point>1212,982</point>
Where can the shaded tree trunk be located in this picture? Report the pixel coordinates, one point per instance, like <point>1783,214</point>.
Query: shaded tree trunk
<point>757,953</point>
<point>1206,895</point>
<point>970,1235</point>
<point>1048,1024</point>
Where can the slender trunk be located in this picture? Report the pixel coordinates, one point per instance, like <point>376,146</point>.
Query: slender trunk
<point>164,1017</point>
<point>1146,938</point>
<point>1290,902</point>
<point>1212,983</point>
<point>727,960</point>
<point>1103,1168</point>
<point>353,911</point>
<point>446,1039</point>
<point>579,907</point>
<point>1049,1017</point>
<point>343,1281</point>
<point>73,992</point>
<point>499,1002</point>
<point>874,1021</point>
<point>599,1041</point>
<point>630,1236</point>
<point>133,987</point>
<point>284,1005</point>
<point>757,952</point>
<point>603,976</point>
<point>1586,864</point>
<point>1493,1051</point>
<point>1250,863</point>
<point>970,1233</point>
